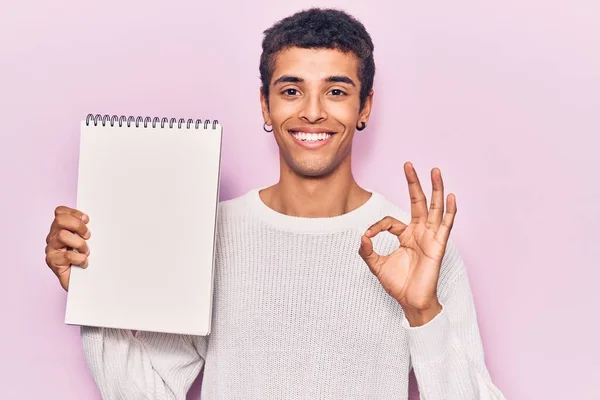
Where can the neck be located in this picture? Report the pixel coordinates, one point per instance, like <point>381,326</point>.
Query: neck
<point>315,197</point>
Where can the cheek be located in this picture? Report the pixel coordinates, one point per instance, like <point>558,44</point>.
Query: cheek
<point>345,113</point>
<point>282,110</point>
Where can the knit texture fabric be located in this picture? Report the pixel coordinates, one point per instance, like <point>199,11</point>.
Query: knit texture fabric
<point>298,315</point>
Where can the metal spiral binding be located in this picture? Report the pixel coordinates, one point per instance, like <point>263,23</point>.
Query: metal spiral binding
<point>115,120</point>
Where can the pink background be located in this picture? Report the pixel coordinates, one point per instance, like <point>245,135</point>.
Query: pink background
<point>502,96</point>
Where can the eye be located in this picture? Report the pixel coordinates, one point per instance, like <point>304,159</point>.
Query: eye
<point>337,92</point>
<point>290,92</point>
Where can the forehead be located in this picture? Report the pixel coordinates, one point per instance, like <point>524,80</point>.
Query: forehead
<point>315,64</point>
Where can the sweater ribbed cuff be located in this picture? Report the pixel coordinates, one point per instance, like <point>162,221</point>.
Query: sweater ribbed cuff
<point>100,334</point>
<point>91,332</point>
<point>429,343</point>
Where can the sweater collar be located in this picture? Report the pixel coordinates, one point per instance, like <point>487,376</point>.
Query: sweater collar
<point>359,218</point>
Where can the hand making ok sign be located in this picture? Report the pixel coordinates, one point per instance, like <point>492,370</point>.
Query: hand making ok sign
<point>410,274</point>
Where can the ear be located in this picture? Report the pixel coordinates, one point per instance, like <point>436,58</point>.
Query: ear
<point>264,105</point>
<point>365,113</point>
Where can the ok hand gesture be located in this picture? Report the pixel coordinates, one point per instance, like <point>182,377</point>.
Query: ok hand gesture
<point>410,274</point>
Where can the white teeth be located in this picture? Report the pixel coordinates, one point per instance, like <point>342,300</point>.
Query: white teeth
<point>310,137</point>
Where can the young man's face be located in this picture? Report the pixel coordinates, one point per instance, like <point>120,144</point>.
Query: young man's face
<point>314,107</point>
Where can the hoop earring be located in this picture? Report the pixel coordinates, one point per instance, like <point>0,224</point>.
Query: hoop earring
<point>265,128</point>
<point>361,127</point>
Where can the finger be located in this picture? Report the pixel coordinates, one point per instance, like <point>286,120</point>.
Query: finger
<point>443,232</point>
<point>389,224</point>
<point>436,208</point>
<point>65,238</point>
<point>65,211</point>
<point>418,201</point>
<point>73,224</point>
<point>368,254</point>
<point>58,261</point>
<point>73,212</point>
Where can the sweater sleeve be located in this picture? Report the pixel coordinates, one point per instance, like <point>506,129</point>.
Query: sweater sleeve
<point>447,353</point>
<point>147,365</point>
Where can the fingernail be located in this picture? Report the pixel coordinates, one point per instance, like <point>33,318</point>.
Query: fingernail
<point>368,232</point>
<point>85,218</point>
<point>87,234</point>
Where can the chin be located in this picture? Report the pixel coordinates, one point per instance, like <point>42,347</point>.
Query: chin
<point>312,168</point>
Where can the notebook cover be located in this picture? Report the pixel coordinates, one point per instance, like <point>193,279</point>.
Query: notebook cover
<point>152,198</point>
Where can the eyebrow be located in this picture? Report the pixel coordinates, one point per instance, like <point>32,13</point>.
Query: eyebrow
<point>330,79</point>
<point>340,79</point>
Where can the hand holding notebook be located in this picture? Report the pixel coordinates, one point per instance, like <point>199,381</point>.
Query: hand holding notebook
<point>66,243</point>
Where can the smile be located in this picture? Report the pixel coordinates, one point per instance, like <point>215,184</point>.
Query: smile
<point>311,137</point>
<point>311,140</point>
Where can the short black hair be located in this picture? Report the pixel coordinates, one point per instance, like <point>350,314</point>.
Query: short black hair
<point>318,28</point>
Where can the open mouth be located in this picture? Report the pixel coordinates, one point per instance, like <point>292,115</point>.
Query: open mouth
<point>310,136</point>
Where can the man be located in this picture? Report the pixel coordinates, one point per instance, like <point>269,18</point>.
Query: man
<point>297,313</point>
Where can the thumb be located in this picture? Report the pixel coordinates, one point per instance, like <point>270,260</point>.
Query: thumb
<point>367,253</point>
<point>64,276</point>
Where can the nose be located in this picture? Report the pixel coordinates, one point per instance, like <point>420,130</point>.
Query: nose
<point>312,110</point>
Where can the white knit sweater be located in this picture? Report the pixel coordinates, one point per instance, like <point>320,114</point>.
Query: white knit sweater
<point>298,315</point>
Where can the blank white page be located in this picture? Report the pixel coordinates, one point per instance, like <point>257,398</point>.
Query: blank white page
<point>152,198</point>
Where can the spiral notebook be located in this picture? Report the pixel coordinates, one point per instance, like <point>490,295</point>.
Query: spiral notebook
<point>151,189</point>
